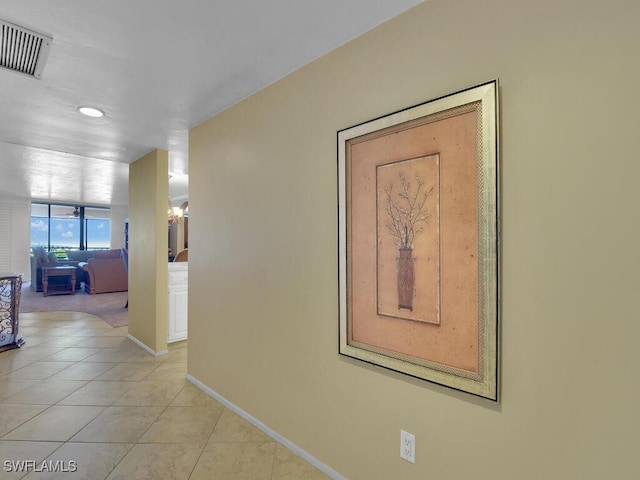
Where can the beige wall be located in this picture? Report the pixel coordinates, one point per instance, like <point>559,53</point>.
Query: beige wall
<point>148,194</point>
<point>263,292</point>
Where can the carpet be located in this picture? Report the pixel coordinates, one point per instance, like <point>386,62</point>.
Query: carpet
<point>108,306</point>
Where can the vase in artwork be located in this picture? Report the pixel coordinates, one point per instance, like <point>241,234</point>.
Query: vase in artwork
<point>406,279</point>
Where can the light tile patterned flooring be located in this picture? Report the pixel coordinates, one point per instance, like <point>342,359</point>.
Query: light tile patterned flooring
<point>80,395</point>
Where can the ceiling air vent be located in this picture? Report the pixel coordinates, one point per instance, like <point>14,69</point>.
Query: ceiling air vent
<point>23,50</point>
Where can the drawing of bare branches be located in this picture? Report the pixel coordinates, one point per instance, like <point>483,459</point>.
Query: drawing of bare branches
<point>406,210</point>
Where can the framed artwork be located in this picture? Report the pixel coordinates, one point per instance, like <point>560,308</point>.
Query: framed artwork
<point>418,241</point>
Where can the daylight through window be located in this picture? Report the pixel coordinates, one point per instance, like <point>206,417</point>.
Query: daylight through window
<point>59,228</point>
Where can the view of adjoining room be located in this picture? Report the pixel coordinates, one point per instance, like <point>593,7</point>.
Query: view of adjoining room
<point>71,257</point>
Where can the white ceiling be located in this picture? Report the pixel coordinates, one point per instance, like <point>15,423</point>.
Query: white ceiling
<point>157,68</point>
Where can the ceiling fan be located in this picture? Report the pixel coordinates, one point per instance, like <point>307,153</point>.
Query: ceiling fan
<point>76,212</point>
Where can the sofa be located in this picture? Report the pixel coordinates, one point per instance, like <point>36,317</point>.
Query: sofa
<point>108,274</point>
<point>105,272</point>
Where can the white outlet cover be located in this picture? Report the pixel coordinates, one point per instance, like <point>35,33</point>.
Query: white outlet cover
<point>408,446</point>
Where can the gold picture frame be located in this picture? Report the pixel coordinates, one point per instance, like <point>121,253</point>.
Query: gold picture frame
<point>418,241</point>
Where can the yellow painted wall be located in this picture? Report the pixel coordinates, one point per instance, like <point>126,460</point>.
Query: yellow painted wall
<point>148,194</point>
<point>263,288</point>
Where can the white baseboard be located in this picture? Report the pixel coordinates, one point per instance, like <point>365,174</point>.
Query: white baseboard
<point>148,349</point>
<point>272,433</point>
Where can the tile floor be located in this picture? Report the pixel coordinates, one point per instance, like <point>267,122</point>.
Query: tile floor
<point>81,396</point>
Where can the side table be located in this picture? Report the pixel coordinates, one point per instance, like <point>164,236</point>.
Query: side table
<point>10,288</point>
<point>58,288</point>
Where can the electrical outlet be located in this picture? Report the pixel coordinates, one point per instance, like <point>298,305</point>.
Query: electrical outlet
<point>408,446</point>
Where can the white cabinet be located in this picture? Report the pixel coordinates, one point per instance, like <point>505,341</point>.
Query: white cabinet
<point>178,301</point>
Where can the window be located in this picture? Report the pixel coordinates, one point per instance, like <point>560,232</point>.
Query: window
<point>97,228</point>
<point>68,227</point>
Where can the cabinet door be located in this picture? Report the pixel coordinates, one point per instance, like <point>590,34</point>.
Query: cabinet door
<point>178,313</point>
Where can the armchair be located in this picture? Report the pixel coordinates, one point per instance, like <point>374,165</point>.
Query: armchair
<point>182,256</point>
<point>106,272</point>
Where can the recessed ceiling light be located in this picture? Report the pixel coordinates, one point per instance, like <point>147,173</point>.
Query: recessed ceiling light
<point>91,112</point>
